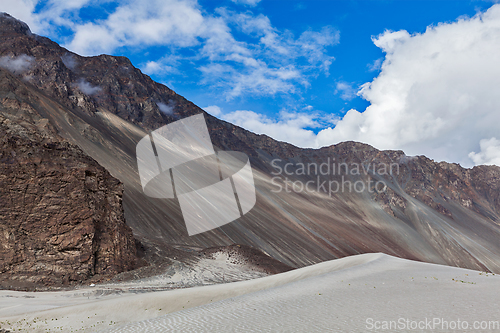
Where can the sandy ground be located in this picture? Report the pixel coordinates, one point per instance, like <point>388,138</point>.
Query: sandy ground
<point>354,294</point>
<point>220,269</point>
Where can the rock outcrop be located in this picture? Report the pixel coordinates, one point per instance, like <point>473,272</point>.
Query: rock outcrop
<point>61,214</point>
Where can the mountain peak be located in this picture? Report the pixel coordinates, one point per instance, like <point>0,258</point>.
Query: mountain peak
<point>9,24</point>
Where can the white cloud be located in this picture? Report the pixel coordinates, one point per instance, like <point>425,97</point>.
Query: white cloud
<point>168,64</point>
<point>138,23</point>
<point>166,108</point>
<point>273,63</point>
<point>265,62</point>
<point>53,14</point>
<point>22,10</point>
<point>69,61</point>
<point>295,127</point>
<point>290,127</point>
<point>259,80</point>
<point>251,3</point>
<point>313,46</point>
<point>376,65</point>
<point>214,110</point>
<point>18,64</point>
<point>280,46</point>
<point>87,88</point>
<point>489,154</point>
<point>347,92</point>
<point>436,94</point>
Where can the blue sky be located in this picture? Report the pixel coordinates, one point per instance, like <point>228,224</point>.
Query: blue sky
<point>295,70</point>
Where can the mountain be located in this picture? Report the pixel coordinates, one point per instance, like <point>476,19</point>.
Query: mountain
<point>102,106</point>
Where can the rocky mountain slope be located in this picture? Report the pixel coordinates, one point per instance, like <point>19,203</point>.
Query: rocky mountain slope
<point>428,211</point>
<point>61,214</point>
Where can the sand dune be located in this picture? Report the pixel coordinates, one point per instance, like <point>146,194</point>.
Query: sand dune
<point>337,296</point>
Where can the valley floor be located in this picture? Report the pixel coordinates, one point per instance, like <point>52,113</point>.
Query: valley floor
<point>363,293</point>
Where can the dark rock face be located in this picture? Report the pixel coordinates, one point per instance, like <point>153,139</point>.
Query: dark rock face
<point>11,25</point>
<point>435,184</point>
<point>434,212</point>
<point>61,214</point>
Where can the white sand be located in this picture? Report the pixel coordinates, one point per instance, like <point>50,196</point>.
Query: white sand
<point>334,296</point>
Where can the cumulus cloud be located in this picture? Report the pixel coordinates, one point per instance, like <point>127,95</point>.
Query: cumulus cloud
<point>87,88</point>
<point>53,14</point>
<point>489,154</point>
<point>22,10</point>
<point>214,110</point>
<point>134,23</point>
<point>297,127</point>
<point>18,64</point>
<point>290,127</point>
<point>166,65</point>
<point>266,62</point>
<point>436,94</point>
